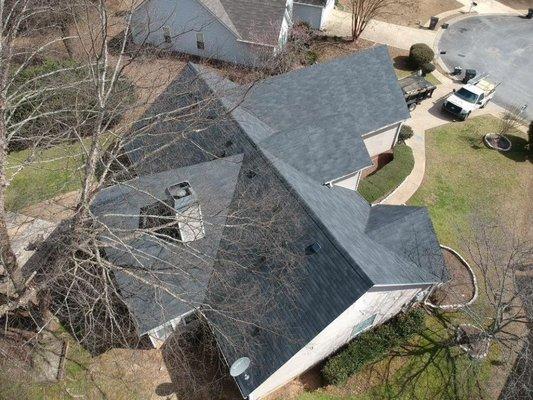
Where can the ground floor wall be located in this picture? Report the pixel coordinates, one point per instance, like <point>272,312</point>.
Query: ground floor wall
<point>351,182</point>
<point>373,308</point>
<point>315,16</point>
<point>308,13</point>
<point>382,140</point>
<point>185,26</point>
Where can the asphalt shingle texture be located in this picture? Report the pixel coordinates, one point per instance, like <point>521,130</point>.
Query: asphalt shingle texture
<point>147,258</point>
<point>253,20</point>
<point>276,131</point>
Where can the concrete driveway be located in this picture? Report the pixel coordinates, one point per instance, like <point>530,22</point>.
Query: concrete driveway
<point>499,45</point>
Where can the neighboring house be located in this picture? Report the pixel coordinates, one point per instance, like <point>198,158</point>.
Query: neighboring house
<point>291,141</point>
<point>238,31</point>
<point>314,12</point>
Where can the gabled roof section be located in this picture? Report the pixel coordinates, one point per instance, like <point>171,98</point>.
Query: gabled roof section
<point>314,118</point>
<point>362,86</point>
<point>218,10</point>
<point>257,21</point>
<point>408,231</point>
<point>118,208</point>
<point>324,150</point>
<point>344,215</point>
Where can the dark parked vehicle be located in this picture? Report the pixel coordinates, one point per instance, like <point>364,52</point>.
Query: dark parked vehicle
<point>415,89</point>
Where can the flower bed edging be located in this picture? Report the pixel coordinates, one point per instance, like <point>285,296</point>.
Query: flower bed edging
<point>458,306</point>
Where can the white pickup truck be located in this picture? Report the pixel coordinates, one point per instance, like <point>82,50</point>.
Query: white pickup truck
<point>475,94</point>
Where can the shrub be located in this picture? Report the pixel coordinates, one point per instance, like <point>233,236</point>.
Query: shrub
<point>420,54</point>
<point>311,58</point>
<point>406,132</point>
<point>372,346</point>
<point>428,68</point>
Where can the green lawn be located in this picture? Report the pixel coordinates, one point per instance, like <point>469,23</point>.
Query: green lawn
<point>462,177</point>
<point>403,73</point>
<point>52,172</point>
<point>384,181</point>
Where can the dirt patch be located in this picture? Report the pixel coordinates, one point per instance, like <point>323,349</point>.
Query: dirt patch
<point>460,288</point>
<point>518,4</point>
<point>54,210</point>
<point>308,381</point>
<point>327,48</point>
<point>378,162</point>
<point>136,372</point>
<point>413,12</point>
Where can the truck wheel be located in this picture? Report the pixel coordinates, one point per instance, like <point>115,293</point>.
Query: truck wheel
<point>465,117</point>
<point>411,106</point>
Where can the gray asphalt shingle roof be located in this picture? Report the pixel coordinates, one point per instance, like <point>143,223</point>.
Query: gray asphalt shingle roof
<point>314,118</point>
<point>257,21</point>
<point>144,258</point>
<point>362,85</point>
<point>360,245</point>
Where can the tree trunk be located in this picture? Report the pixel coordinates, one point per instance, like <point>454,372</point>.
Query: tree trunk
<point>8,259</point>
<point>65,38</point>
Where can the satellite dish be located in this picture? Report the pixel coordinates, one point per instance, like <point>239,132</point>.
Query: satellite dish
<point>239,367</point>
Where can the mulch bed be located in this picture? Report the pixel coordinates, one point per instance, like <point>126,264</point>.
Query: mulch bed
<point>460,288</point>
<point>498,142</point>
<point>473,341</point>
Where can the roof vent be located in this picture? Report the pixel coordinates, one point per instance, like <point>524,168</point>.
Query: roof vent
<point>240,367</point>
<point>187,211</point>
<point>313,248</point>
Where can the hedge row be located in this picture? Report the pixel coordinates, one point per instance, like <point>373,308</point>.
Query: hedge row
<point>382,182</point>
<point>372,346</point>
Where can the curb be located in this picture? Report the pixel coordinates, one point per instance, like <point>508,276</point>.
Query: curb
<point>458,306</point>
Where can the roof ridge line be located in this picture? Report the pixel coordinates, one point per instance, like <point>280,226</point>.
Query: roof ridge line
<point>315,217</point>
<point>399,218</point>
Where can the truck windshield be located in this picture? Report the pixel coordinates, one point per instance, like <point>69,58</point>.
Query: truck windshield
<point>466,95</point>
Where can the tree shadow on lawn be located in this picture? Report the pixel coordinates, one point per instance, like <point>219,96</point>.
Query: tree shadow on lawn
<point>434,365</point>
<point>518,152</point>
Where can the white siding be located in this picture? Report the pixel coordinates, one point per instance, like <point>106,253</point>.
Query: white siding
<point>315,16</point>
<point>185,18</point>
<point>350,182</point>
<point>330,5</point>
<point>384,302</point>
<point>380,141</point>
<point>307,13</point>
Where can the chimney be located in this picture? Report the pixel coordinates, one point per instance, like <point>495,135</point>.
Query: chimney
<point>187,210</point>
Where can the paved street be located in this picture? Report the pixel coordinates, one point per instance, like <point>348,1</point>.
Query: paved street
<point>499,45</point>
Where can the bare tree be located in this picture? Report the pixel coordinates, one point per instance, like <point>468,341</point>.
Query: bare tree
<point>89,102</point>
<point>363,11</point>
<point>500,257</point>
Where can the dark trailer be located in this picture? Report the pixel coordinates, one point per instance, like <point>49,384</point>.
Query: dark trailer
<point>415,89</point>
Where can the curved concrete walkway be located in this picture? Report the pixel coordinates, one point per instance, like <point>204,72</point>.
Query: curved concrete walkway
<point>427,115</point>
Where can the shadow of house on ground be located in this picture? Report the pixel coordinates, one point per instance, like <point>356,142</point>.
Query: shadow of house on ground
<point>196,367</point>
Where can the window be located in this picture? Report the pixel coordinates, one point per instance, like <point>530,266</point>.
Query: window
<point>200,44</point>
<point>167,35</point>
<point>362,326</point>
<point>466,95</point>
